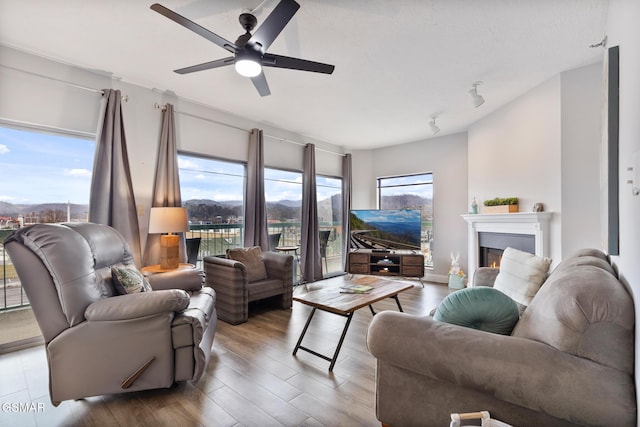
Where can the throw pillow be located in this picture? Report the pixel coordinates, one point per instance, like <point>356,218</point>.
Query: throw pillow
<point>252,260</point>
<point>128,280</point>
<point>482,308</point>
<point>521,275</point>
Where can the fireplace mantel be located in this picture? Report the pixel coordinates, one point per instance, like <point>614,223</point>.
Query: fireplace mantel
<point>531,223</point>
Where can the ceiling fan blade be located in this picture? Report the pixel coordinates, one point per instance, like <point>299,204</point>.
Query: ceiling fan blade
<point>274,24</point>
<point>260,82</point>
<point>190,25</point>
<point>206,65</point>
<point>279,61</point>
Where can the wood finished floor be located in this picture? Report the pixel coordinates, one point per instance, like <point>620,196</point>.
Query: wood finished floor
<point>252,379</point>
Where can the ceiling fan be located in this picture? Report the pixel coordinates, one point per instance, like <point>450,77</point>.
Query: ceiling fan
<point>250,50</point>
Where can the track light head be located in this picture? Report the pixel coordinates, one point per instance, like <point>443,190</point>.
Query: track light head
<point>432,125</point>
<point>476,100</point>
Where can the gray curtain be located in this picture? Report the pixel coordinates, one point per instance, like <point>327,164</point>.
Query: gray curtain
<point>111,201</point>
<point>310,239</point>
<point>346,207</point>
<point>166,189</point>
<point>255,210</point>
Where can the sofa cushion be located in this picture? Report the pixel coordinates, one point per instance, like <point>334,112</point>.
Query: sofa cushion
<point>128,280</point>
<point>252,260</point>
<point>482,308</point>
<point>521,275</point>
<point>583,310</point>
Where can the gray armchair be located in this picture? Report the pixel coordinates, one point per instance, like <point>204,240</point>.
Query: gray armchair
<point>235,290</point>
<point>98,342</point>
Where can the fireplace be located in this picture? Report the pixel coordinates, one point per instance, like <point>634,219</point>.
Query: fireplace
<point>491,246</point>
<point>526,231</point>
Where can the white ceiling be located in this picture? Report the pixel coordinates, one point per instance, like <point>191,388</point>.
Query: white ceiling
<point>397,62</point>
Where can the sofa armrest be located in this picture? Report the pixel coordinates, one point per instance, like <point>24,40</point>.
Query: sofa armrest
<point>485,276</point>
<point>520,371</point>
<point>133,306</point>
<point>279,266</point>
<point>188,280</point>
<point>227,271</point>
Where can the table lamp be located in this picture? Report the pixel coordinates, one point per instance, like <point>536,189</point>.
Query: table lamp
<point>169,220</point>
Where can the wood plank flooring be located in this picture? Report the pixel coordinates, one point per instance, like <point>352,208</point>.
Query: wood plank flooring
<point>252,379</point>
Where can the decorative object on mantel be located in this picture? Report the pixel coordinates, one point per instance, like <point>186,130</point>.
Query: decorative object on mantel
<point>474,206</point>
<point>456,274</point>
<point>501,205</point>
<point>538,207</point>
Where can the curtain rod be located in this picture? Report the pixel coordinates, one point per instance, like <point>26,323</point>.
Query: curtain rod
<point>206,119</point>
<point>125,98</point>
<point>46,128</point>
<point>164,107</point>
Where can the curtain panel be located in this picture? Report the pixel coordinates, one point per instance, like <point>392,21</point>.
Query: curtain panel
<point>111,200</point>
<point>310,229</point>
<point>346,207</point>
<point>166,188</point>
<point>255,210</point>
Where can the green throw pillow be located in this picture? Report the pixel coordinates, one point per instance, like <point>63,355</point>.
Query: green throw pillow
<point>128,280</point>
<point>481,308</point>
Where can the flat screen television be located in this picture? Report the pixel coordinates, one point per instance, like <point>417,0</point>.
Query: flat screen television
<point>385,229</point>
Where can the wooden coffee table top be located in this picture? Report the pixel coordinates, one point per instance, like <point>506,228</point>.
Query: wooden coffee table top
<point>330,298</point>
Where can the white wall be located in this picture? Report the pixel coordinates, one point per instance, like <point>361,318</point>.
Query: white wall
<point>446,158</point>
<point>544,147</point>
<point>515,152</point>
<point>623,30</point>
<point>45,102</point>
<point>581,112</point>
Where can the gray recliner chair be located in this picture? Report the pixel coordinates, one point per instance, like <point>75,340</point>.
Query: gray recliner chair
<point>98,342</point>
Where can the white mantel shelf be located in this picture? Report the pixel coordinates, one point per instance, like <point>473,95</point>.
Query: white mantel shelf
<point>530,223</point>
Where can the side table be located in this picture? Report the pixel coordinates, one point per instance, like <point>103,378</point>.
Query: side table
<point>150,270</point>
<point>296,259</point>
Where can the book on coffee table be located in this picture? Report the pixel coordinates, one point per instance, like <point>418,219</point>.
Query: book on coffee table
<point>355,289</point>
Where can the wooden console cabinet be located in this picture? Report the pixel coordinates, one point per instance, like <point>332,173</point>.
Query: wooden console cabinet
<point>396,263</point>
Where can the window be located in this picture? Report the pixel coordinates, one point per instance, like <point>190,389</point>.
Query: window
<point>213,192</point>
<point>44,177</point>
<point>411,192</point>
<point>283,196</point>
<point>329,196</point>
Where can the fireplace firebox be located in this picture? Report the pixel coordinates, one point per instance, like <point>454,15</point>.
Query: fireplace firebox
<point>492,245</point>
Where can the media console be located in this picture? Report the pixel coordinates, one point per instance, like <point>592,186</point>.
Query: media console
<point>393,263</point>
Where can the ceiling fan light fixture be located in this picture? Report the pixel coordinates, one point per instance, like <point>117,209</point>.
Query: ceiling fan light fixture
<point>476,100</point>
<point>248,67</point>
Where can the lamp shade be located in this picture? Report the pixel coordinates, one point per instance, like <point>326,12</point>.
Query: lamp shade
<point>168,220</point>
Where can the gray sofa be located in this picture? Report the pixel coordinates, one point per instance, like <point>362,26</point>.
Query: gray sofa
<point>98,342</point>
<point>569,360</point>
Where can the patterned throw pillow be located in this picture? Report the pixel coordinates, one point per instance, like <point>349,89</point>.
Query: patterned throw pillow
<point>252,260</point>
<point>128,280</point>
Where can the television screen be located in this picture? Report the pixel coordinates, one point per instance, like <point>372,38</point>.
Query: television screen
<point>385,229</point>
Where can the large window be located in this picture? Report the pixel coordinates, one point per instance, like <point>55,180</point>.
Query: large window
<point>283,196</point>
<point>329,196</point>
<point>411,192</point>
<point>44,177</point>
<point>213,192</point>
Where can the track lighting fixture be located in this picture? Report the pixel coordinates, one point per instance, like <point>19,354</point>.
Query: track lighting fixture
<point>476,100</point>
<point>432,125</point>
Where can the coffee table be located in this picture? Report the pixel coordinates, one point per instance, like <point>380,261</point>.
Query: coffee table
<point>331,300</point>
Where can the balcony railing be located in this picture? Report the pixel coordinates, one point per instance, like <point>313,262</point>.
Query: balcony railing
<point>11,292</point>
<point>215,240</point>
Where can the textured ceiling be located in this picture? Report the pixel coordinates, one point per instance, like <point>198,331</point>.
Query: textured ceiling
<point>397,62</point>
